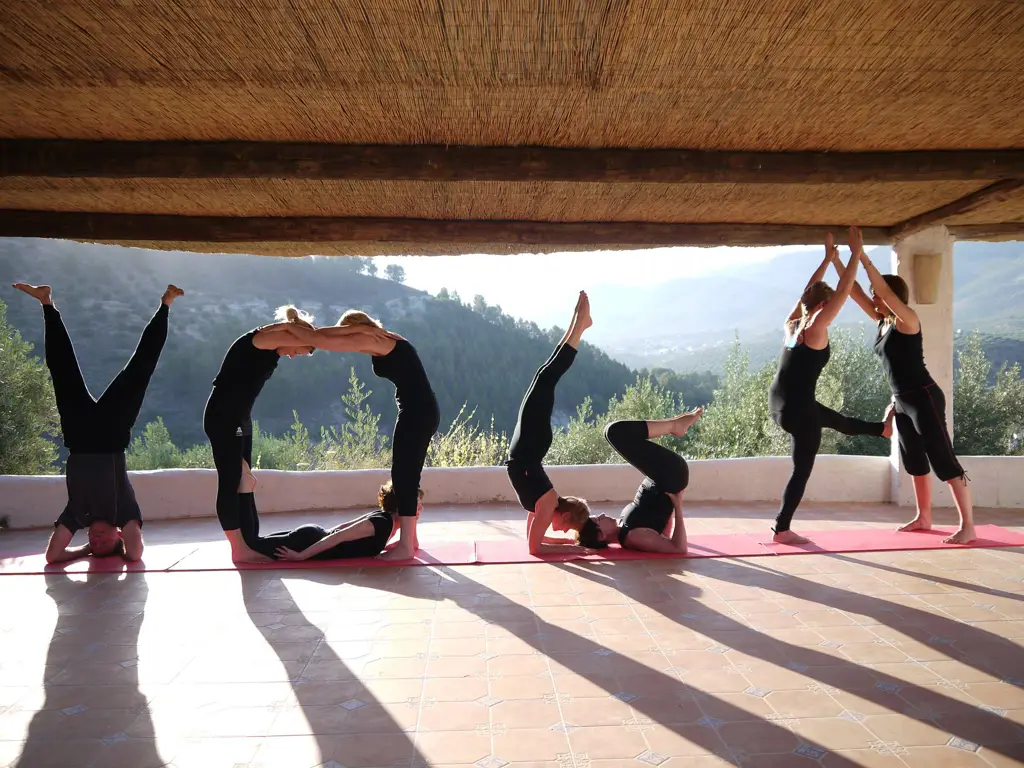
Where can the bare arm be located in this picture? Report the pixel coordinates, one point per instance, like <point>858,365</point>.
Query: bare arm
<point>358,529</point>
<point>537,524</point>
<point>858,293</point>
<point>842,293</point>
<point>907,317</point>
<point>131,535</point>
<point>279,337</point>
<point>58,551</point>
<point>819,274</point>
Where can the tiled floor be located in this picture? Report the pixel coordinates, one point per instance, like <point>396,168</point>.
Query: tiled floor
<point>888,659</point>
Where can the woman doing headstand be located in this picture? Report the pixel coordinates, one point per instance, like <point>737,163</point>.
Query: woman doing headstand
<point>396,360</point>
<point>653,522</point>
<point>531,441</point>
<point>248,365</point>
<point>792,393</point>
<point>919,403</point>
<point>97,434</point>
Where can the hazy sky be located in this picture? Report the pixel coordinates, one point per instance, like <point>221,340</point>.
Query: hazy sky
<point>537,286</point>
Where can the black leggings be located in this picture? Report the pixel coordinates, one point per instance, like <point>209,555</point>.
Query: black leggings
<point>414,430</point>
<point>231,440</point>
<point>104,425</point>
<point>533,435</point>
<point>666,469</point>
<point>924,439</point>
<point>804,426</point>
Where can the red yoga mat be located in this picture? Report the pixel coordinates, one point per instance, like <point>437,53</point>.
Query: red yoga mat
<point>713,545</point>
<point>889,540</point>
<point>215,556</point>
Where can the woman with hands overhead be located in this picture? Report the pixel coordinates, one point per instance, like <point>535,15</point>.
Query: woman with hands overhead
<point>792,399</point>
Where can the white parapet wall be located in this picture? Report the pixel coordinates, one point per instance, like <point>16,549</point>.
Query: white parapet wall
<point>30,501</point>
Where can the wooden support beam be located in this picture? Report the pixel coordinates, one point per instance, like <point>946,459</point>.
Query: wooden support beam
<point>993,193</point>
<point>992,232</point>
<point>65,158</point>
<point>225,229</point>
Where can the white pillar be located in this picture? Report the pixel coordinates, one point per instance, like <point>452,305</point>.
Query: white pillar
<point>934,244</point>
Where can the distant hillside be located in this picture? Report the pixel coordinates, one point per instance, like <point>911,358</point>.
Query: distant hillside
<point>688,325</point>
<point>106,294</point>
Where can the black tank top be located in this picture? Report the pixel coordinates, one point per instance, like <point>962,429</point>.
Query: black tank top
<point>902,356</point>
<point>243,373</point>
<point>402,367</point>
<point>796,380</point>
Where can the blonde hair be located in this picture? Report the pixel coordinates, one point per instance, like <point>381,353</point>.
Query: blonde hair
<point>292,314</point>
<point>358,317</point>
<point>574,511</point>
<point>387,499</point>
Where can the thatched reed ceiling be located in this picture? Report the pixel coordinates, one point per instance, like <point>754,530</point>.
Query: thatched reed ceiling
<point>767,75</point>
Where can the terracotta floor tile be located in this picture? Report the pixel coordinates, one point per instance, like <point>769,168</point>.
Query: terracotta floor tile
<point>942,757</point>
<point>718,663</point>
<point>528,744</point>
<point>607,742</point>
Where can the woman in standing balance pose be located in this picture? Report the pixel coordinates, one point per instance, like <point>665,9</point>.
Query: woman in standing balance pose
<point>919,403</point>
<point>531,441</point>
<point>792,393</point>
<point>396,360</point>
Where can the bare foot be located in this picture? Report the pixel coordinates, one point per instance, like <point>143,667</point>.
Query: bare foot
<point>171,294</point>
<point>39,292</point>
<point>583,318</point>
<point>398,553</point>
<point>887,419</point>
<point>682,423</point>
<point>917,524</point>
<point>789,537</point>
<point>964,536</point>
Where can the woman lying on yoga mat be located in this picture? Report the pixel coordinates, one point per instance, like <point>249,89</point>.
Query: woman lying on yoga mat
<point>97,434</point>
<point>396,360</point>
<point>248,365</point>
<point>918,403</point>
<point>366,536</point>
<point>531,441</point>
<point>792,393</point>
<point>653,522</point>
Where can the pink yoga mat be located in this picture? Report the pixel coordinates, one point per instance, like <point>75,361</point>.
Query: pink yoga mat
<point>156,558</point>
<point>888,540</point>
<point>713,545</point>
<point>215,557</point>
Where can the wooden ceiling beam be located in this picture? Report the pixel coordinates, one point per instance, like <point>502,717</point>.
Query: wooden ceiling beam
<point>70,158</point>
<point>999,192</point>
<point>519,235</point>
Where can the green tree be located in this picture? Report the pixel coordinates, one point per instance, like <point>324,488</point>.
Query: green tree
<point>154,449</point>
<point>357,444</point>
<point>395,272</point>
<point>988,418</point>
<point>738,421</point>
<point>28,410</point>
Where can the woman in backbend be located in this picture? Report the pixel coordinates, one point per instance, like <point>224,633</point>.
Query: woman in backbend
<point>530,443</point>
<point>96,433</point>
<point>919,403</point>
<point>366,536</point>
<point>792,393</point>
<point>248,365</point>
<point>653,522</point>
<point>396,360</point>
